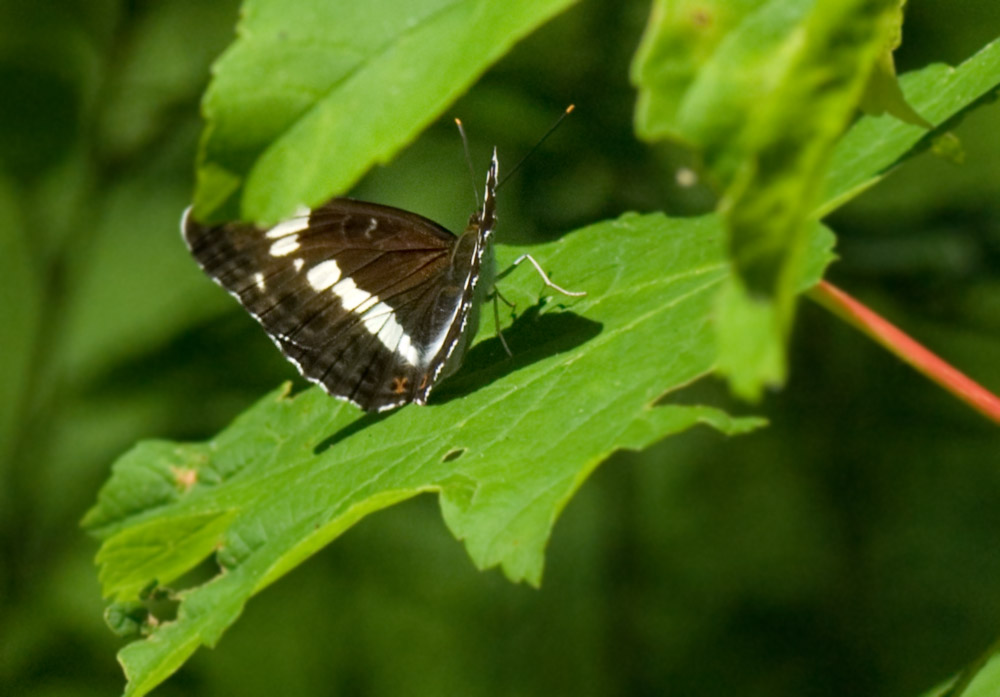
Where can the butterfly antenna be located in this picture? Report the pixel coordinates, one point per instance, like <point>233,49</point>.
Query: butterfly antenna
<point>468,161</point>
<point>554,126</point>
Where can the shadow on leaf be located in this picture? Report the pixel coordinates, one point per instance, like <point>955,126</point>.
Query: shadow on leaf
<point>532,337</point>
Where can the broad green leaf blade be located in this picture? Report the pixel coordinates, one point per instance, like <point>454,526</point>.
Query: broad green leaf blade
<point>314,92</point>
<point>505,442</point>
<point>876,144</point>
<point>167,545</point>
<point>751,324</point>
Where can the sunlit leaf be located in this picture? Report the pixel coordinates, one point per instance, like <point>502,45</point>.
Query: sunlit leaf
<point>313,93</point>
<point>505,443</point>
<point>876,144</point>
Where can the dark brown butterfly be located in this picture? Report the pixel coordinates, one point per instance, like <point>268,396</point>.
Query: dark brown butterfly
<point>373,303</point>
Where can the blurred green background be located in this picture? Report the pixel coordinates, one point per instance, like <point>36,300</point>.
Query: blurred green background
<point>850,548</point>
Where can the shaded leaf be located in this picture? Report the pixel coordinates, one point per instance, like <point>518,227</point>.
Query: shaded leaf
<point>765,103</point>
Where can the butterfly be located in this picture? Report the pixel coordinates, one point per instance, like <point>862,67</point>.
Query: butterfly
<point>373,303</point>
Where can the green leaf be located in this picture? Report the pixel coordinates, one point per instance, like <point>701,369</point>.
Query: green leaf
<point>766,110</point>
<point>782,162</point>
<point>313,93</point>
<point>680,40</point>
<point>980,679</point>
<point>746,326</point>
<point>159,551</point>
<point>875,145</point>
<point>505,442</point>
<point>126,619</point>
<point>882,93</point>
<point>985,682</point>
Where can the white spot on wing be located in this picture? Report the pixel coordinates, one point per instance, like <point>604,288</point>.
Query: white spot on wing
<point>380,320</point>
<point>323,275</point>
<point>299,263</point>
<point>384,326</point>
<point>259,280</point>
<point>407,350</point>
<point>285,245</point>
<point>376,317</point>
<point>352,297</point>
<point>289,227</point>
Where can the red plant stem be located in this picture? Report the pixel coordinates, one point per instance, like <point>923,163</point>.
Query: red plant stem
<point>892,338</point>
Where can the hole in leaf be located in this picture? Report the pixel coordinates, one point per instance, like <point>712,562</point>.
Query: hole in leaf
<point>161,606</point>
<point>138,618</point>
<point>453,455</point>
<point>207,569</point>
<point>708,391</point>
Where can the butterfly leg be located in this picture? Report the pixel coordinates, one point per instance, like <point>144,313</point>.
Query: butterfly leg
<point>496,320</point>
<point>508,303</point>
<point>545,277</point>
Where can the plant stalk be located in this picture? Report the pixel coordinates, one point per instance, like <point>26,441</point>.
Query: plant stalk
<point>907,349</point>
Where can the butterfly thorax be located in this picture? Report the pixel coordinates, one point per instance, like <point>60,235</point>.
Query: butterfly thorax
<point>475,245</point>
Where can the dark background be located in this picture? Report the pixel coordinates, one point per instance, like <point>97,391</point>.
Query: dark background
<point>850,548</point>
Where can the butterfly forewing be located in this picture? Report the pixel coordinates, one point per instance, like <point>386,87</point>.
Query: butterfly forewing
<point>368,301</point>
